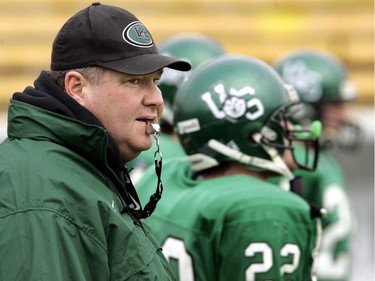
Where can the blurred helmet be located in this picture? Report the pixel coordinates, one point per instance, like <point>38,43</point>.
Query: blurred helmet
<point>236,108</point>
<point>321,79</point>
<point>192,47</point>
<point>318,77</point>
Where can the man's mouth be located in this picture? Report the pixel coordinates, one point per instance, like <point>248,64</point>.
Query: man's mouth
<point>151,127</point>
<point>145,120</point>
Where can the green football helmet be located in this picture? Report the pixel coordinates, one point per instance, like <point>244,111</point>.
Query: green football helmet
<point>321,78</point>
<point>236,108</point>
<point>192,47</point>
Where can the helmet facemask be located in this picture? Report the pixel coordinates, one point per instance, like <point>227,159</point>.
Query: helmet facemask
<point>345,134</point>
<point>292,135</point>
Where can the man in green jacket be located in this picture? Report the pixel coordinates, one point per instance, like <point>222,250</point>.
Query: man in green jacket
<point>68,210</point>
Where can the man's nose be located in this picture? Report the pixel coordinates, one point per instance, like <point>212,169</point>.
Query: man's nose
<point>154,97</point>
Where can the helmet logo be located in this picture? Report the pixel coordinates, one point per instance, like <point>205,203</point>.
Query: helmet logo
<point>307,83</point>
<point>233,104</point>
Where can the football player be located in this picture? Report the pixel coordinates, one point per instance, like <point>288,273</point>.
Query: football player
<point>323,84</point>
<point>219,218</point>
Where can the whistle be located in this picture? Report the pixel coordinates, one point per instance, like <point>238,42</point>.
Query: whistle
<point>152,128</point>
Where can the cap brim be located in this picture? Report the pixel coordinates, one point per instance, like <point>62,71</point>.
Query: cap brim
<point>146,64</point>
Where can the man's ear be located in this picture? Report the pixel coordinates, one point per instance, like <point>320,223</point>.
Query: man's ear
<point>74,84</point>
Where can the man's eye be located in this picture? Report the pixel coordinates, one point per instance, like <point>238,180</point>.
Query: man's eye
<point>134,81</point>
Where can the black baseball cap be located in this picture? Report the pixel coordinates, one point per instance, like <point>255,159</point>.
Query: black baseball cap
<point>111,37</point>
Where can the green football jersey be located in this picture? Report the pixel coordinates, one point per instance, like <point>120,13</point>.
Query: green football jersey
<point>169,148</point>
<point>230,228</point>
<point>326,187</point>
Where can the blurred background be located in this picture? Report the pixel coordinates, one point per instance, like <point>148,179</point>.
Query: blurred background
<point>262,28</point>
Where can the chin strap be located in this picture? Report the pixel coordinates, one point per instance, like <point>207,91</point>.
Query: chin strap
<point>276,164</point>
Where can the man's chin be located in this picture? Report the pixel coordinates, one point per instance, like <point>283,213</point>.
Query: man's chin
<point>146,145</point>
<point>136,151</point>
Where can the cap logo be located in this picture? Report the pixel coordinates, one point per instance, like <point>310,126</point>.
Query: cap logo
<point>136,34</point>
